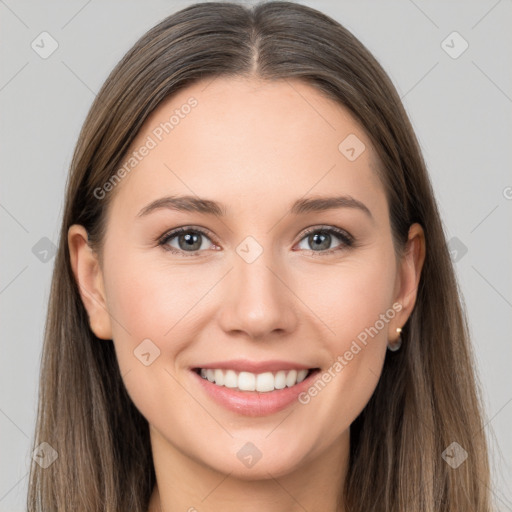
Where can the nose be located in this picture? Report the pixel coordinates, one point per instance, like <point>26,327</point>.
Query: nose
<point>258,302</point>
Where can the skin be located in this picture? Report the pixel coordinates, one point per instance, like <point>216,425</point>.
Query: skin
<point>256,147</point>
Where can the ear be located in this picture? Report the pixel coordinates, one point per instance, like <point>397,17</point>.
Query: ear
<point>408,277</point>
<point>89,278</point>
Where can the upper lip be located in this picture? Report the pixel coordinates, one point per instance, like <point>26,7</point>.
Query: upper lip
<point>245,365</point>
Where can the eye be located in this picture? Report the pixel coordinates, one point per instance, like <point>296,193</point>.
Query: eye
<point>192,240</point>
<point>185,239</point>
<point>320,238</point>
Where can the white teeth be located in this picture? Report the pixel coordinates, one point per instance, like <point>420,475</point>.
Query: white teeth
<point>291,378</point>
<point>247,381</point>
<point>265,382</point>
<point>219,377</point>
<point>230,379</point>
<point>301,375</point>
<point>280,380</point>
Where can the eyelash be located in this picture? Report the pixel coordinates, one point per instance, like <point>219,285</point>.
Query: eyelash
<point>347,240</point>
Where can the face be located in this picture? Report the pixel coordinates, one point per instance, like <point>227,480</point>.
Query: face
<point>264,282</point>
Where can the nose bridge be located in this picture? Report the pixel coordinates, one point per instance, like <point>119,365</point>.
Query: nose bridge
<point>258,302</point>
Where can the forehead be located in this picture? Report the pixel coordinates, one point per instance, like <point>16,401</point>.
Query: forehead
<point>247,141</point>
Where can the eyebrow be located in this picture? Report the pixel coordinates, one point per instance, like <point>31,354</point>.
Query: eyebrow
<point>209,207</point>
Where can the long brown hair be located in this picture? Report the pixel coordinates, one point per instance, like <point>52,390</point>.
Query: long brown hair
<point>428,394</point>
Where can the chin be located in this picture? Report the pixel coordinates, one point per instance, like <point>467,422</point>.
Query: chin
<point>251,463</point>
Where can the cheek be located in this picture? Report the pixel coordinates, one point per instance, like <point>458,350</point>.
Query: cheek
<point>356,304</point>
<point>351,296</point>
<point>148,301</point>
<point>149,297</point>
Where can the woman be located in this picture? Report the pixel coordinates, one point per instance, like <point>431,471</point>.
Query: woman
<point>253,305</point>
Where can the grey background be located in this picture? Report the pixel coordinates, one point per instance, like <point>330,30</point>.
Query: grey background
<point>460,109</point>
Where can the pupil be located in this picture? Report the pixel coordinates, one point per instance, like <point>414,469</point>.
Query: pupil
<point>191,240</point>
<point>326,237</point>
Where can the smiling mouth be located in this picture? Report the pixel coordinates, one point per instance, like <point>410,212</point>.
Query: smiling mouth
<point>248,381</point>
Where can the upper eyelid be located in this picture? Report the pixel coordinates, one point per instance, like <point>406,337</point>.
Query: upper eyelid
<point>332,229</point>
<point>183,229</point>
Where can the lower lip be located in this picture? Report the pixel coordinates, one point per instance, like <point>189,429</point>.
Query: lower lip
<point>255,403</point>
